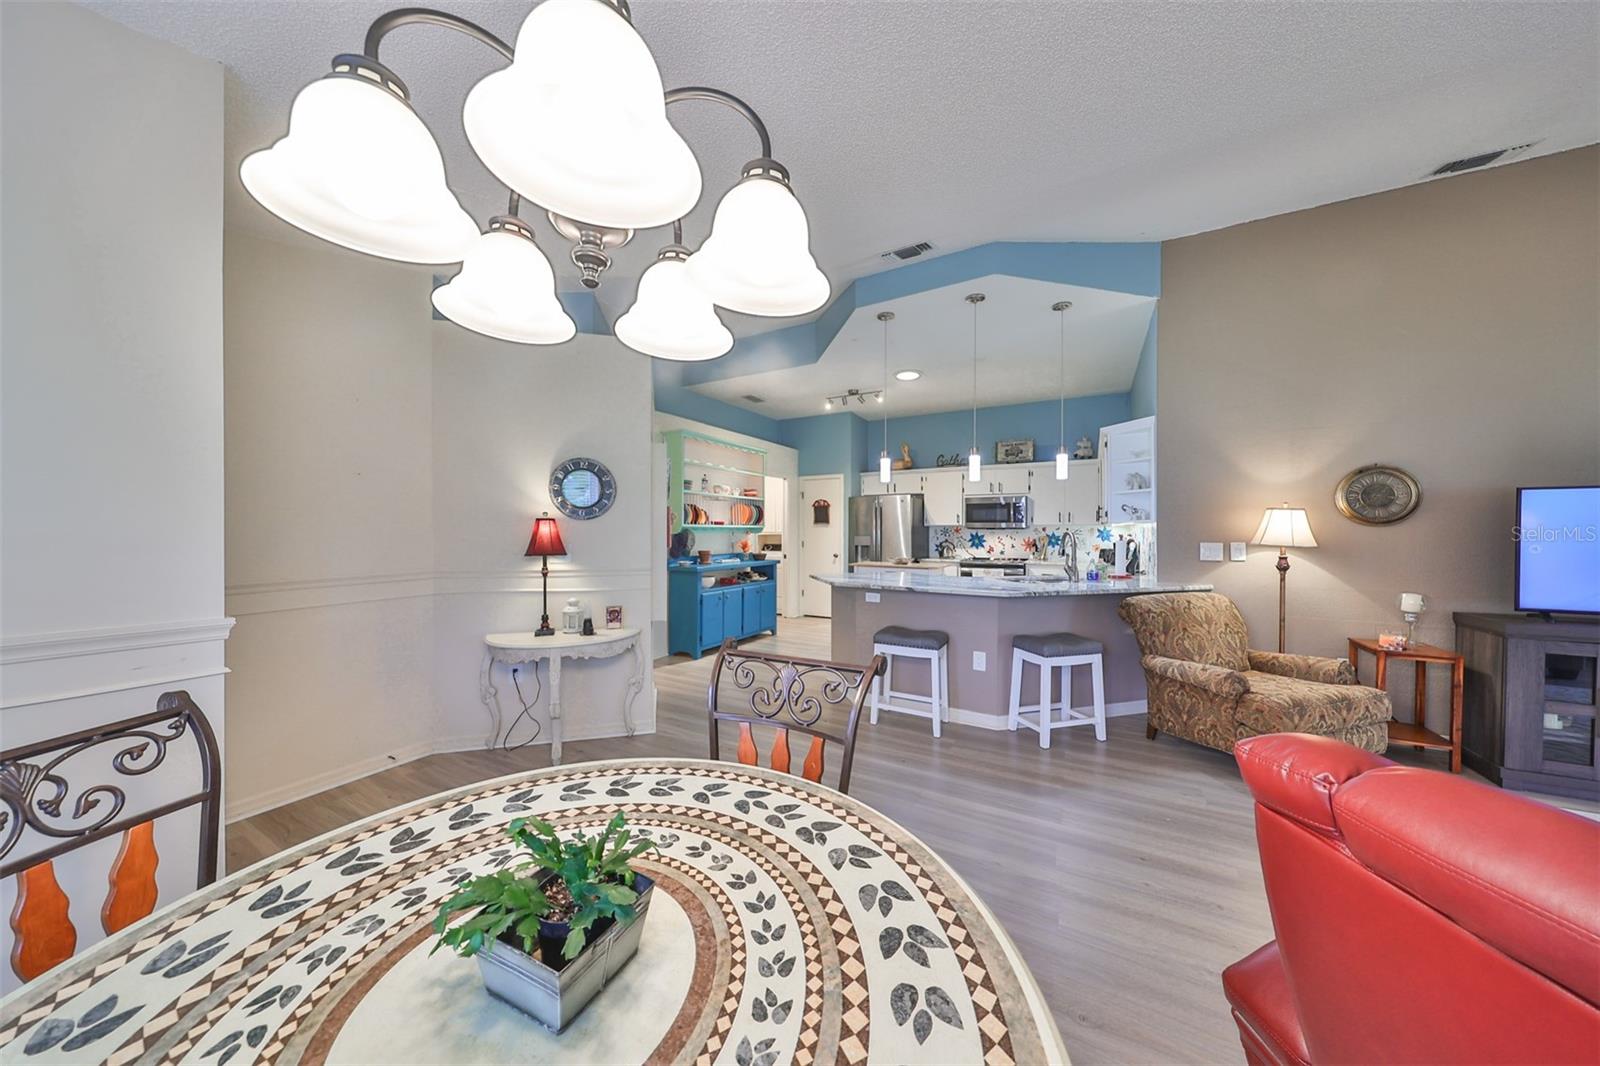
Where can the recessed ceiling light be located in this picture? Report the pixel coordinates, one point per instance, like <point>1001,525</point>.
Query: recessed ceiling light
<point>907,375</point>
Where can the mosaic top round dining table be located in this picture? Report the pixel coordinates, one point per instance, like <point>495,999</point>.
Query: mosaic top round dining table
<point>792,923</point>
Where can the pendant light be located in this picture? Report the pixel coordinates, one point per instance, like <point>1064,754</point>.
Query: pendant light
<point>884,466</point>
<point>506,289</point>
<point>358,168</point>
<point>578,122</point>
<point>758,257</point>
<point>1063,458</point>
<point>671,318</point>
<point>974,462</point>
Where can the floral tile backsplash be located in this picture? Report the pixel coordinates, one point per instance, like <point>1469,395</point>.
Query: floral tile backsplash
<point>1095,543</point>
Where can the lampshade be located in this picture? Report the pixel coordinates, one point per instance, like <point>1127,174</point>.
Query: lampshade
<point>974,466</point>
<point>1285,527</point>
<point>1063,463</point>
<point>359,168</point>
<point>758,257</point>
<point>670,317</point>
<point>546,539</point>
<point>506,289</point>
<point>578,122</point>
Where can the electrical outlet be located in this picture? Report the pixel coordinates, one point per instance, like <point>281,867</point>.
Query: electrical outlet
<point>873,597</point>
<point>1237,551</point>
<point>980,661</point>
<point>1211,551</point>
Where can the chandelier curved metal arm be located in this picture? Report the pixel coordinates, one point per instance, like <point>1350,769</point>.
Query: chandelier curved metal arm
<point>705,92</point>
<point>389,21</point>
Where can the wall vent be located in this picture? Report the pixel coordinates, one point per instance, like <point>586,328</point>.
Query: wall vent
<point>1483,159</point>
<point>910,251</point>
<point>752,398</point>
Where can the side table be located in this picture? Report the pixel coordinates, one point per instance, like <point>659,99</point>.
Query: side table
<point>516,648</point>
<point>1417,733</point>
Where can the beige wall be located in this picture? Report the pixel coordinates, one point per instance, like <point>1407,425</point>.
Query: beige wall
<point>1448,328</point>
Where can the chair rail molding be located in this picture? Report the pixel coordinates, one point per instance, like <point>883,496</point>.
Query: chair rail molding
<point>311,593</point>
<point>81,642</point>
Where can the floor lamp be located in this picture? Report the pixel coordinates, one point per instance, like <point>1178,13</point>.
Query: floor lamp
<point>1284,528</point>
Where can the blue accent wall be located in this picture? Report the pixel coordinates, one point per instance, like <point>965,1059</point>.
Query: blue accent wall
<point>673,399</point>
<point>828,444</point>
<point>1142,396</point>
<point>950,432</point>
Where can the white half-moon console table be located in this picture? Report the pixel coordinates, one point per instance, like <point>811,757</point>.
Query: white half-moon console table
<point>514,649</point>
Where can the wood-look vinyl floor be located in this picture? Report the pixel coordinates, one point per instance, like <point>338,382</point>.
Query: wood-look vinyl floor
<point>1126,872</point>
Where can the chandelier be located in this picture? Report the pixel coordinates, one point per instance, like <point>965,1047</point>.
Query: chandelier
<point>576,125</point>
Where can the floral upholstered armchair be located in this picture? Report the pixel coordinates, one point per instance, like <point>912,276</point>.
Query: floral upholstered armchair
<point>1208,686</point>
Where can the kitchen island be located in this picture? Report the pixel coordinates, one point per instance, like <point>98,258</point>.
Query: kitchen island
<point>982,615</point>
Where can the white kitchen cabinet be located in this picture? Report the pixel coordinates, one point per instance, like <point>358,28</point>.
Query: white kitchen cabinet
<point>942,490</point>
<point>1128,470</point>
<point>871,486</point>
<point>1082,495</point>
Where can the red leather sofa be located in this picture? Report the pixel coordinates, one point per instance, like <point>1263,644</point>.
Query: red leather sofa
<point>1420,917</point>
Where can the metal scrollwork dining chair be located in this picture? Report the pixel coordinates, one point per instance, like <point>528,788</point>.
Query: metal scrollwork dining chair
<point>68,792</point>
<point>789,694</point>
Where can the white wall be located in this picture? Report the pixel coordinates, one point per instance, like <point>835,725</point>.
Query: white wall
<point>782,462</point>
<point>330,515</point>
<point>383,473</point>
<point>111,526</point>
<point>503,416</point>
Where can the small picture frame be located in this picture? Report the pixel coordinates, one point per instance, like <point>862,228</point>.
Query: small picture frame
<point>1013,451</point>
<point>614,616</point>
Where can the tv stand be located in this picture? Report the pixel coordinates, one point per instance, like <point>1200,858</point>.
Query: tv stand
<point>1529,704</point>
<point>1541,616</point>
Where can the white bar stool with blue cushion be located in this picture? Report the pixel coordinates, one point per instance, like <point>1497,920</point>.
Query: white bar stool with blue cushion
<point>902,642</point>
<point>1050,652</point>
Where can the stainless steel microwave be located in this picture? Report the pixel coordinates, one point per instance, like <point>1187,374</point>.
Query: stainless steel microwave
<point>997,512</point>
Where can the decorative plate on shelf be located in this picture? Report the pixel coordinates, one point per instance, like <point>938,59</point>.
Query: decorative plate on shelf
<point>582,488</point>
<point>1377,495</point>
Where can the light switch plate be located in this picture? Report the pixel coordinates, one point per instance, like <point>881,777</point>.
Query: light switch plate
<point>980,661</point>
<point>1237,551</point>
<point>873,597</point>
<point>1211,551</point>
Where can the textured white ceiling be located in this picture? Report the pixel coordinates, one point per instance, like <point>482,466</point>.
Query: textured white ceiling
<point>965,122</point>
<point>1019,351</point>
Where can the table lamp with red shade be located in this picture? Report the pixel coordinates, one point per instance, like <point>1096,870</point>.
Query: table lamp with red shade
<point>545,542</point>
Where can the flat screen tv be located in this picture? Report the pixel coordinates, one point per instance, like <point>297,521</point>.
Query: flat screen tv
<point>1558,549</point>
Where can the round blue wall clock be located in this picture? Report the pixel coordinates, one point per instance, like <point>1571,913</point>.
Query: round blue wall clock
<point>582,488</point>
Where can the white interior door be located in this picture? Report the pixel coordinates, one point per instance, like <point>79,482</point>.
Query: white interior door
<point>821,531</point>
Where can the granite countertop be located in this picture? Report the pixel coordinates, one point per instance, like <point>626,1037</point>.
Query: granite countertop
<point>902,579</point>
<point>922,564</point>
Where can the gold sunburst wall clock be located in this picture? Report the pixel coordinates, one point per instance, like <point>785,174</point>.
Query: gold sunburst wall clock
<point>1377,495</point>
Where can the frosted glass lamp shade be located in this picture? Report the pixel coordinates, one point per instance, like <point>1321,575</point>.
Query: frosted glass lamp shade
<point>758,257</point>
<point>974,466</point>
<point>1063,463</point>
<point>1285,527</point>
<point>506,290</point>
<point>359,168</point>
<point>670,317</point>
<point>885,474</point>
<point>578,122</point>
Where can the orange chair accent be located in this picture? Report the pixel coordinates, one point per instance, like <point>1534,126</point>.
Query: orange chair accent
<point>45,784</point>
<point>789,694</point>
<point>133,879</point>
<point>44,932</point>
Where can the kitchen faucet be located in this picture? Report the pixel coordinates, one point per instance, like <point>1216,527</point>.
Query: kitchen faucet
<point>1069,548</point>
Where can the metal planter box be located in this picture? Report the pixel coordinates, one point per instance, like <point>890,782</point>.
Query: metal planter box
<point>554,998</point>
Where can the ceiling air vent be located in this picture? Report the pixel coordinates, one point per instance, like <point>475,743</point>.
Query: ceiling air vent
<point>752,398</point>
<point>910,251</point>
<point>1473,162</point>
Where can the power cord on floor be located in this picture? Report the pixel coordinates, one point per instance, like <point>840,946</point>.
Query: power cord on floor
<point>526,712</point>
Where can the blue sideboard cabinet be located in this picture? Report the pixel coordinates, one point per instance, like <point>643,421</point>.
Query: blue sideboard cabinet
<point>700,619</point>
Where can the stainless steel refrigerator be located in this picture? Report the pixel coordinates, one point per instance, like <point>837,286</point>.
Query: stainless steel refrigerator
<point>887,528</point>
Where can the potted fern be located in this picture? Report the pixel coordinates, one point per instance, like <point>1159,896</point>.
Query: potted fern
<point>550,932</point>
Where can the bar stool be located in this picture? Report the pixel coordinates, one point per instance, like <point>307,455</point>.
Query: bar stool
<point>903,642</point>
<point>1049,652</point>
